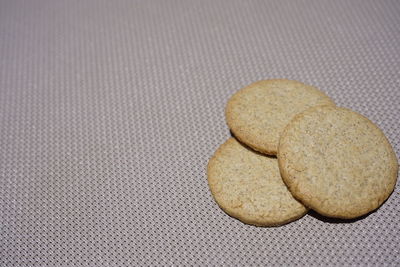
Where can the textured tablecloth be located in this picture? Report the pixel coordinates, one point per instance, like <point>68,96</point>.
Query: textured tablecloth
<point>110,110</point>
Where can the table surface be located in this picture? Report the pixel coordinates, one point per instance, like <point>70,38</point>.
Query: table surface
<point>110,110</point>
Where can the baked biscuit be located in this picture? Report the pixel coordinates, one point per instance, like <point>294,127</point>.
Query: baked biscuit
<point>337,162</point>
<point>258,113</point>
<point>248,186</point>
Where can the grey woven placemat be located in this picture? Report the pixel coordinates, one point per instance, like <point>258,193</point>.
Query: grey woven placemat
<point>110,110</point>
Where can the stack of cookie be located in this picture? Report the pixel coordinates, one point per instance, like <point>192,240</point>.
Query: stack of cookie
<point>293,149</point>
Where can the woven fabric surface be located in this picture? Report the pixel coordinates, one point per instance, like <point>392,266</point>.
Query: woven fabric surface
<point>110,110</point>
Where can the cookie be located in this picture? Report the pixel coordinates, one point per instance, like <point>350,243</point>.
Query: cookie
<point>248,186</point>
<point>258,113</point>
<point>337,162</point>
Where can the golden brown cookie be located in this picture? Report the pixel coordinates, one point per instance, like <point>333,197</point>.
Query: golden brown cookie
<point>248,186</point>
<point>337,162</point>
<point>258,113</point>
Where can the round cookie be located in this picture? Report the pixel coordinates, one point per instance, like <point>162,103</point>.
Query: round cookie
<point>258,113</point>
<point>248,186</point>
<point>337,162</point>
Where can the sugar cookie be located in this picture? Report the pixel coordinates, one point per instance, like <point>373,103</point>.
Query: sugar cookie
<point>248,186</point>
<point>258,113</point>
<point>337,162</point>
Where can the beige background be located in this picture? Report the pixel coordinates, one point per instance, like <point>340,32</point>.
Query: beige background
<point>109,111</point>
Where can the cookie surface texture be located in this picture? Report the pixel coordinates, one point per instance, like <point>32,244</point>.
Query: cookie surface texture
<point>258,113</point>
<point>248,186</point>
<point>337,162</point>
